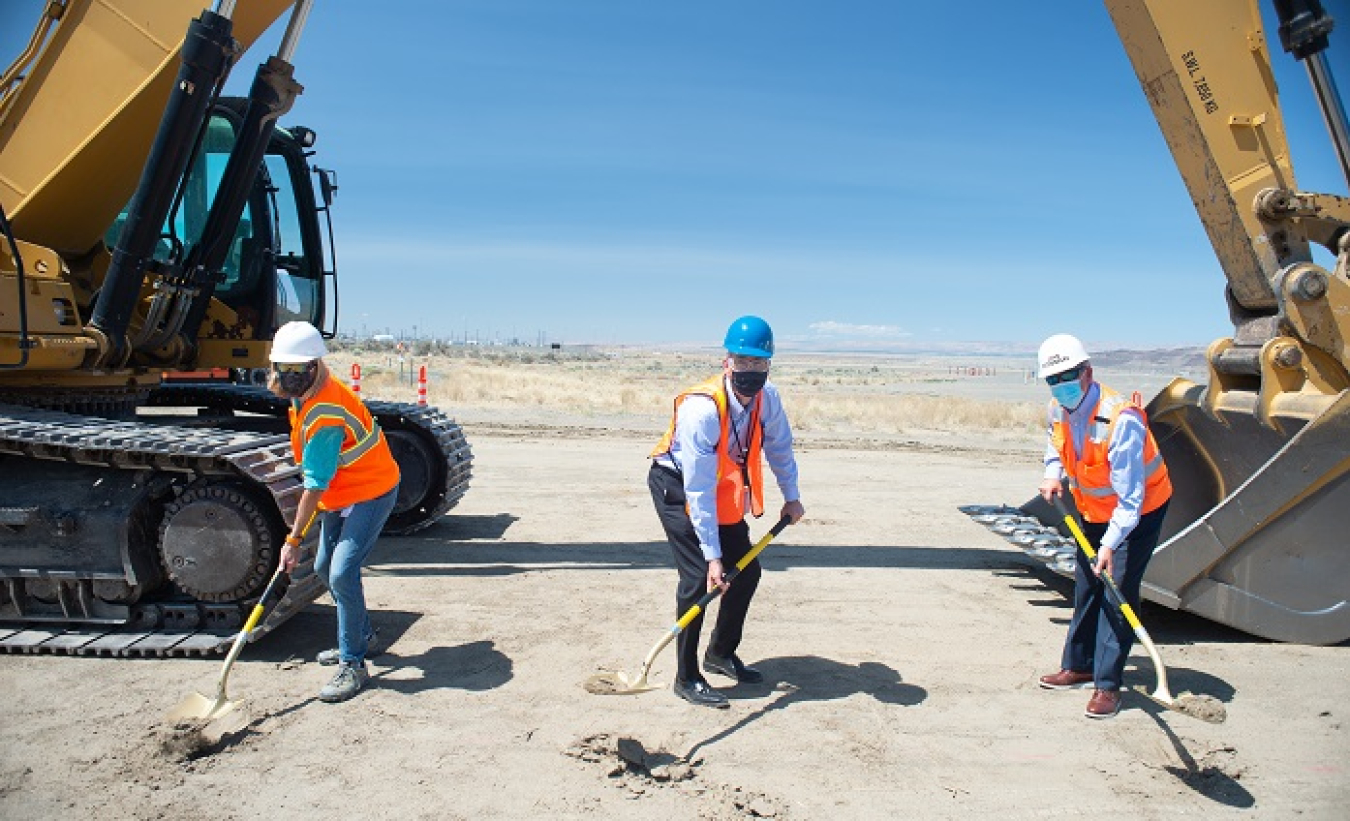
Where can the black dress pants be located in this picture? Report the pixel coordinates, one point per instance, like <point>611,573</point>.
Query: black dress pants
<point>668,496</point>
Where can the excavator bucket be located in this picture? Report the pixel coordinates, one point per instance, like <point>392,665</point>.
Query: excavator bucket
<point>1255,535</point>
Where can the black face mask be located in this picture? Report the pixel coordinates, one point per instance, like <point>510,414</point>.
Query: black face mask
<point>295,385</point>
<point>748,383</point>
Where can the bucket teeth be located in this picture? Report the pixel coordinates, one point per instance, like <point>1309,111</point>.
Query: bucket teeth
<point>988,510</point>
<point>1028,533</point>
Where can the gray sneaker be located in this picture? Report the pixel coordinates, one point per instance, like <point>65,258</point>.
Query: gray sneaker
<point>330,657</point>
<point>348,682</point>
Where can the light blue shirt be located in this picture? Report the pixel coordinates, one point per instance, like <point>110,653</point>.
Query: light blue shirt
<point>1125,455</point>
<point>319,462</point>
<point>694,450</point>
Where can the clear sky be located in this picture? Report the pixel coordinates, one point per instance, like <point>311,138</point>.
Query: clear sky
<point>873,170</point>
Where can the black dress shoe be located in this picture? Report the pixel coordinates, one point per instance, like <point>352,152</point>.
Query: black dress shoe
<point>698,692</point>
<point>731,667</point>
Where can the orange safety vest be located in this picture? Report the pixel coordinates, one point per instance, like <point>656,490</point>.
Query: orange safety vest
<point>366,466</point>
<point>734,483</point>
<point>1090,475</point>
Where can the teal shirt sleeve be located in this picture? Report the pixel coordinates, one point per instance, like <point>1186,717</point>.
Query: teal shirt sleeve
<point>320,459</point>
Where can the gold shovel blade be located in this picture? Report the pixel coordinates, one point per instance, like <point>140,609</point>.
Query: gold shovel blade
<point>618,684</point>
<point>1205,708</point>
<point>197,707</point>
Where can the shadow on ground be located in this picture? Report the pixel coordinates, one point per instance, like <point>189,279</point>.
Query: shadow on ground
<point>476,666</point>
<point>1208,777</point>
<point>472,546</point>
<point>798,679</point>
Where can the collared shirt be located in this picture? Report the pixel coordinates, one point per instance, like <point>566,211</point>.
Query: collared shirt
<point>1125,454</point>
<point>694,451</point>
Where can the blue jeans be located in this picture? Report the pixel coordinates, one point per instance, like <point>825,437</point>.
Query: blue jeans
<point>344,545</point>
<point>1100,638</point>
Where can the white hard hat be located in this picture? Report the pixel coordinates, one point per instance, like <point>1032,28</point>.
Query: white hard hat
<point>298,342</point>
<point>1059,353</point>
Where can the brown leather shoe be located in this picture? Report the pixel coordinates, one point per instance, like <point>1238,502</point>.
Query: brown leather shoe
<point>1066,680</point>
<point>1103,704</point>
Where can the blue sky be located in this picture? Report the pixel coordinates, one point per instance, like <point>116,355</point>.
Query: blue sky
<point>885,172</point>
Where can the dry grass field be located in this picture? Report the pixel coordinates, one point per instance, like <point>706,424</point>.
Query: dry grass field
<point>854,394</point>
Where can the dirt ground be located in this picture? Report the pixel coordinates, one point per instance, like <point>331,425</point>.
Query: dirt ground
<point>901,641</point>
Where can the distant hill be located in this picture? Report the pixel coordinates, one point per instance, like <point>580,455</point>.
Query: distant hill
<point>1157,359</point>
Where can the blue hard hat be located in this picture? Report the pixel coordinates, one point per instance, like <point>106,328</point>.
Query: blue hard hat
<point>750,336</point>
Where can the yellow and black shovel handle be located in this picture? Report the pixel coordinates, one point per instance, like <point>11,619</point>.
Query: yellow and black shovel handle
<point>261,606</point>
<point>1112,592</point>
<point>254,617</point>
<point>1161,694</point>
<point>702,604</point>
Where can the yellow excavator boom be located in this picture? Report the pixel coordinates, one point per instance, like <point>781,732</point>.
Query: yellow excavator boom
<point>1260,455</point>
<point>92,98</point>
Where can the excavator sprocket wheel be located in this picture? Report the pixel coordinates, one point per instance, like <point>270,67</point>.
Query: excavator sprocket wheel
<point>216,543</point>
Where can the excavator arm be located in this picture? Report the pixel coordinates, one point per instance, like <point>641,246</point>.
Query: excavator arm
<point>92,96</point>
<point>1260,455</point>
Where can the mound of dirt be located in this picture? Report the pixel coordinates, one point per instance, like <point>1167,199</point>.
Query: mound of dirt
<point>628,761</point>
<point>638,770</point>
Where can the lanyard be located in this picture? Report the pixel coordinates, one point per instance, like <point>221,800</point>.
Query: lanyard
<point>743,450</point>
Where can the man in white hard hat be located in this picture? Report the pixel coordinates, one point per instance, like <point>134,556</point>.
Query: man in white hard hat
<point>1100,442</point>
<point>350,482</point>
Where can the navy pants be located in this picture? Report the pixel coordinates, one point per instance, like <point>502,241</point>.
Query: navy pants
<point>1100,638</point>
<point>668,495</point>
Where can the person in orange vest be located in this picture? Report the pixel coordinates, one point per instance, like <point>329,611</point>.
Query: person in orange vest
<point>706,475</point>
<point>350,479</point>
<point>1100,443</point>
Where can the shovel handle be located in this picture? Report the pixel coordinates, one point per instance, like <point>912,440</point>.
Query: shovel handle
<point>701,604</point>
<point>253,619</point>
<point>1112,591</point>
<point>751,554</point>
<point>1113,594</point>
<point>261,606</point>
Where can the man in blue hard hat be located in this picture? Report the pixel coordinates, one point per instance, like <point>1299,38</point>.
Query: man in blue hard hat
<point>706,475</point>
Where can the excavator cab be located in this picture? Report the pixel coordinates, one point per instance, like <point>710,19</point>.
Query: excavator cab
<point>1259,455</point>
<point>277,267</point>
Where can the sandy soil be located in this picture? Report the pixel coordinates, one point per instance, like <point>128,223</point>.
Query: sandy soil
<point>902,642</point>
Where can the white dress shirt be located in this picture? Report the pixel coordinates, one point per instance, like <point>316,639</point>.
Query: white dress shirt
<point>693,452</point>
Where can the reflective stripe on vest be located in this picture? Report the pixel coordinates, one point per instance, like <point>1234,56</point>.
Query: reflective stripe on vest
<point>363,441</point>
<point>731,478</point>
<point>1090,476</point>
<point>366,466</point>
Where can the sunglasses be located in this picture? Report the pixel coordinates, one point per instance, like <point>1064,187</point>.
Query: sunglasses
<point>749,363</point>
<point>1066,376</point>
<point>291,367</point>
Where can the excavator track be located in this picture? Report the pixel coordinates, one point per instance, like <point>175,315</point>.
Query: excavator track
<point>218,462</point>
<point>203,459</point>
<point>432,453</point>
<point>132,452</point>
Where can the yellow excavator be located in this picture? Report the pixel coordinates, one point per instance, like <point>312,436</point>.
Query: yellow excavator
<point>1259,456</point>
<point>155,234</point>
